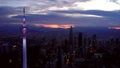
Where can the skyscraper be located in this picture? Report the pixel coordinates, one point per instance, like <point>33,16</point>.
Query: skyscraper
<point>94,40</point>
<point>71,38</point>
<point>80,39</point>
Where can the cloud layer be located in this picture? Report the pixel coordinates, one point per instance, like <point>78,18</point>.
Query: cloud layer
<point>73,12</point>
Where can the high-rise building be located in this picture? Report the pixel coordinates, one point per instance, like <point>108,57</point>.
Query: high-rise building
<point>117,41</point>
<point>94,40</point>
<point>71,38</point>
<point>59,58</point>
<point>80,39</point>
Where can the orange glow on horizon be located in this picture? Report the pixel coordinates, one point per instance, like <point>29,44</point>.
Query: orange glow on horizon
<point>115,27</point>
<point>53,25</point>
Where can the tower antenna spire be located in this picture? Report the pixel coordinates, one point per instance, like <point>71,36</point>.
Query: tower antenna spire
<point>24,29</point>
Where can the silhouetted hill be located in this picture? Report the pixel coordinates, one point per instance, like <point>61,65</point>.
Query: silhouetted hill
<point>101,32</point>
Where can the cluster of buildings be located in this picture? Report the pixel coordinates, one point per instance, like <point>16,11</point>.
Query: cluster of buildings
<point>80,52</point>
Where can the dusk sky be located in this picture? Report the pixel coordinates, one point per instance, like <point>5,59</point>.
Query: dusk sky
<point>61,13</point>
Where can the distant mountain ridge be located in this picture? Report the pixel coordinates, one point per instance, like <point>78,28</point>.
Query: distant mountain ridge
<point>101,32</point>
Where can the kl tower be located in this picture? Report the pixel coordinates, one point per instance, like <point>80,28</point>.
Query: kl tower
<point>24,30</point>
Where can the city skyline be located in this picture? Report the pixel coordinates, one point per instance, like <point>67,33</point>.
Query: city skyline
<point>59,33</point>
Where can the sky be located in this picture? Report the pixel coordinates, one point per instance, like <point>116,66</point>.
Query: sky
<point>61,13</point>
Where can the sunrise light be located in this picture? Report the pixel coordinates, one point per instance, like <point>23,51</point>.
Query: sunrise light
<point>63,26</point>
<point>115,27</point>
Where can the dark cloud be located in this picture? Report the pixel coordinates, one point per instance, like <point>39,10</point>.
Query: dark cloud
<point>58,19</point>
<point>54,17</point>
<point>5,11</point>
<point>95,12</point>
<point>111,15</point>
